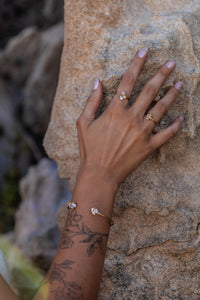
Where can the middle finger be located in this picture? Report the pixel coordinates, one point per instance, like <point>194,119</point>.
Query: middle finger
<point>163,105</point>
<point>151,88</point>
<point>129,78</point>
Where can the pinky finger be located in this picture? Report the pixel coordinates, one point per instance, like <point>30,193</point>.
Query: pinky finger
<point>166,134</point>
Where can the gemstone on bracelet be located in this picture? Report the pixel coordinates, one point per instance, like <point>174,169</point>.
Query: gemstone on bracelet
<point>94,211</point>
<point>72,205</point>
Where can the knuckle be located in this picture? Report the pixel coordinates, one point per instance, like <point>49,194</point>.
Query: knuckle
<point>143,129</point>
<point>89,99</point>
<point>162,106</point>
<point>141,132</point>
<point>150,147</point>
<point>173,131</point>
<point>114,112</point>
<point>172,93</point>
<point>134,120</point>
<point>129,77</point>
<point>170,96</point>
<point>150,88</point>
<point>133,115</point>
<point>163,71</point>
<point>136,64</point>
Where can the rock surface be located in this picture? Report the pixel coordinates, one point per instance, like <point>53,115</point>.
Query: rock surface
<point>153,250</point>
<point>42,194</point>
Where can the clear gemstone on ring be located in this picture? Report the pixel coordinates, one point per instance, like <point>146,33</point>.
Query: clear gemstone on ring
<point>72,205</point>
<point>122,95</point>
<point>94,211</point>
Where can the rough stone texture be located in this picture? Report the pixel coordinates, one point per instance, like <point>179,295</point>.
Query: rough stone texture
<point>153,250</point>
<point>42,194</point>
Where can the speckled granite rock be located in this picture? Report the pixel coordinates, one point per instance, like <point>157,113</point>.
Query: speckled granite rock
<point>154,246</point>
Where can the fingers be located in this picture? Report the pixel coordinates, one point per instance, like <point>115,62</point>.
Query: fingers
<point>163,105</point>
<point>152,87</point>
<point>130,76</point>
<point>93,102</point>
<point>166,134</point>
<point>89,112</point>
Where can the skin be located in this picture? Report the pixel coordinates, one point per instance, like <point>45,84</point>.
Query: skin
<point>124,141</point>
<point>5,291</point>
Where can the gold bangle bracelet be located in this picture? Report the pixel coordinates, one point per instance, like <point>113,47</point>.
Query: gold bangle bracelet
<point>95,211</point>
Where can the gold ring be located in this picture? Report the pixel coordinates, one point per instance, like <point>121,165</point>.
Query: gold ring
<point>149,117</point>
<point>95,211</point>
<point>123,96</point>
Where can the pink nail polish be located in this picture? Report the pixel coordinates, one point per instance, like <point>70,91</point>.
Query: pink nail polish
<point>142,52</point>
<point>170,64</point>
<point>178,85</point>
<point>181,118</point>
<point>96,83</point>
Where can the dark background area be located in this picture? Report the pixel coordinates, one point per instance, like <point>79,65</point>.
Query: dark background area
<point>31,40</point>
<point>15,15</point>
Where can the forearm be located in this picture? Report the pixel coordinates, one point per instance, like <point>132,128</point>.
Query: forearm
<point>77,267</point>
<point>5,291</point>
<point>125,139</point>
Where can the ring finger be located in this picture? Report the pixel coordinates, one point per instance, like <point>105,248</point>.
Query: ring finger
<point>163,105</point>
<point>151,88</point>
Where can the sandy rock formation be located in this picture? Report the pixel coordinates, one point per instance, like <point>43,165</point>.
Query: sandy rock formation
<point>153,248</point>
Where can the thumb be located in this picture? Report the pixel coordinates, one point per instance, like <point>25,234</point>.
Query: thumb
<point>93,101</point>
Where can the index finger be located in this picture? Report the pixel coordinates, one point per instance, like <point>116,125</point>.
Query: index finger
<point>130,76</point>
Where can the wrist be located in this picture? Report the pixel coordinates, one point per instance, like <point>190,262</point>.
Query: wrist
<point>94,189</point>
<point>97,177</point>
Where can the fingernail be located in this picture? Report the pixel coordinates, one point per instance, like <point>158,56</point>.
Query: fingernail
<point>96,83</point>
<point>181,118</point>
<point>170,64</point>
<point>143,52</point>
<point>178,85</point>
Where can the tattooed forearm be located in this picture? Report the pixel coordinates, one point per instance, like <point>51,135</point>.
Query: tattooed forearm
<point>57,279</point>
<point>64,290</point>
<point>57,271</point>
<point>75,227</point>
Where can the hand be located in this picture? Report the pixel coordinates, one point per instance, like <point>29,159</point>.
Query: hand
<point>119,140</point>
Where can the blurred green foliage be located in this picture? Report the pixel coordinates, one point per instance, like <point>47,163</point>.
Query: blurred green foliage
<point>9,200</point>
<point>26,278</point>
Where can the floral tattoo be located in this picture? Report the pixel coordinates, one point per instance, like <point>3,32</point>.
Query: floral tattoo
<point>75,227</point>
<point>65,290</point>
